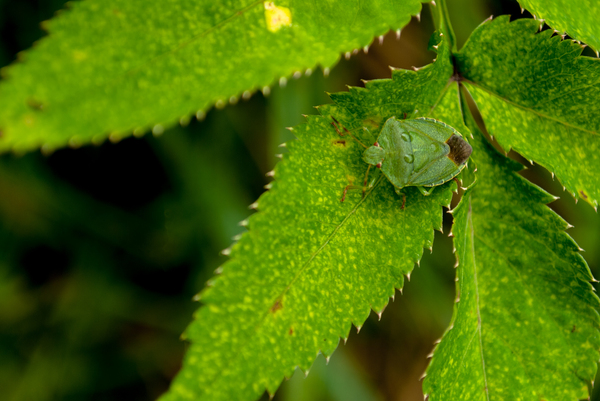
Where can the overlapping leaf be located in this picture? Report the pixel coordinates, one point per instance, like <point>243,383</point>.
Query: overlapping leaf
<point>108,68</point>
<point>525,325</point>
<point>579,20</point>
<point>309,266</point>
<point>540,97</point>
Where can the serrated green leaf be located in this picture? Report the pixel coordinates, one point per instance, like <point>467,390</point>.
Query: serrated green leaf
<point>108,68</point>
<point>310,266</point>
<point>540,97</point>
<point>579,20</point>
<point>525,324</point>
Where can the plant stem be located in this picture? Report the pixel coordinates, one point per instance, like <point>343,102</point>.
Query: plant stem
<point>442,22</point>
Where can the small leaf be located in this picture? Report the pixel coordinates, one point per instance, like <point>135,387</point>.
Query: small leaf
<point>540,98</point>
<point>310,266</point>
<point>579,20</point>
<point>108,68</point>
<point>525,324</point>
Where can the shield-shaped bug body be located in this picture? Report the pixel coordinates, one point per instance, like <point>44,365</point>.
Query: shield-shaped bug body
<point>421,152</point>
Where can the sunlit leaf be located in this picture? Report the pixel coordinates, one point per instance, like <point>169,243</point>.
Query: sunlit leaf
<point>525,322</point>
<point>110,68</point>
<point>310,266</point>
<point>539,97</point>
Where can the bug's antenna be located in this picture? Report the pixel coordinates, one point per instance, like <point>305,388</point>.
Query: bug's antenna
<point>336,124</point>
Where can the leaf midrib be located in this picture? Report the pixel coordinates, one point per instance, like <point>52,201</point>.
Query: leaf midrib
<point>303,269</point>
<point>475,280</point>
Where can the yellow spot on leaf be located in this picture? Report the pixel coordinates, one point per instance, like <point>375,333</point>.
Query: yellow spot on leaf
<point>277,17</point>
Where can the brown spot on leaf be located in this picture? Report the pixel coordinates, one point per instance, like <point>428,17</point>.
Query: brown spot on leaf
<point>583,194</point>
<point>291,331</point>
<point>460,150</point>
<point>276,306</point>
<point>573,329</point>
<point>34,104</point>
<point>340,142</point>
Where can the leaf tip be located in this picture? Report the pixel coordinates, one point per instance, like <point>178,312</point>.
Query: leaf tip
<point>253,206</point>
<point>246,95</point>
<point>282,82</point>
<point>266,90</point>
<point>326,71</point>
<point>226,252</point>
<point>200,115</point>
<point>243,223</point>
<point>271,173</point>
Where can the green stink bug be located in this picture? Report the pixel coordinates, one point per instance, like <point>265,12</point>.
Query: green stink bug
<point>421,152</point>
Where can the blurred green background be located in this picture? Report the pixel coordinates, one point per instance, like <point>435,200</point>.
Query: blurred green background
<point>102,248</point>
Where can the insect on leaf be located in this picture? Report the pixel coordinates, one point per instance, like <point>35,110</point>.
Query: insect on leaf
<point>525,323</point>
<point>310,266</point>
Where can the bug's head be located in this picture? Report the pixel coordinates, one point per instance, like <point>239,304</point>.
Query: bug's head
<point>374,155</point>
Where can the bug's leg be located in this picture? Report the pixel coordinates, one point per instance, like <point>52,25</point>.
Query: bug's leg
<point>349,186</point>
<point>400,192</point>
<point>345,191</point>
<point>336,124</point>
<point>364,189</point>
<point>426,192</point>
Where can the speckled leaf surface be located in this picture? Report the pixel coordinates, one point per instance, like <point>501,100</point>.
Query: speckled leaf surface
<point>579,20</point>
<point>310,266</point>
<point>525,324</point>
<point>540,97</point>
<point>113,67</point>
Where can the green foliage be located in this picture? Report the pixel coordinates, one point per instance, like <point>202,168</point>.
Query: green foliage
<point>526,318</point>
<point>310,266</point>
<point>580,21</point>
<point>525,323</point>
<point>110,68</point>
<point>540,98</point>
